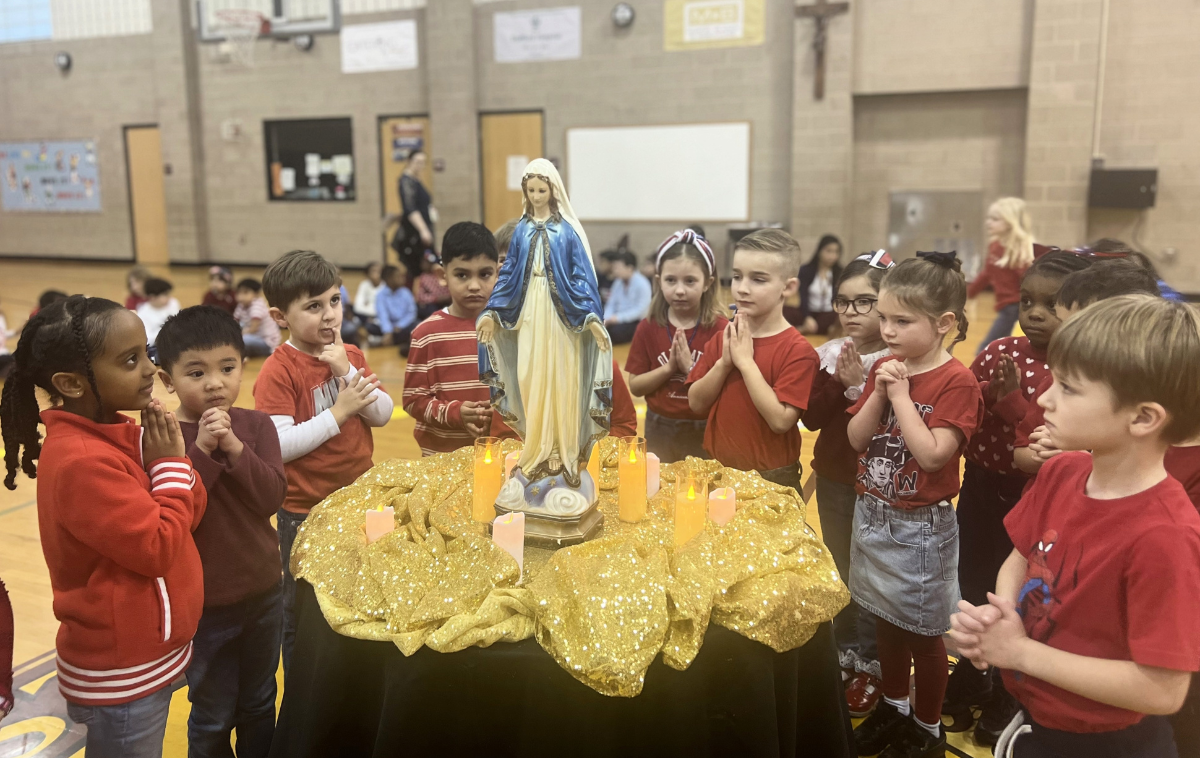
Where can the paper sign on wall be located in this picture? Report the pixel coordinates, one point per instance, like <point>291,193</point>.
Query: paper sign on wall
<point>389,46</point>
<point>49,177</point>
<point>694,24</point>
<point>550,34</point>
<point>516,171</point>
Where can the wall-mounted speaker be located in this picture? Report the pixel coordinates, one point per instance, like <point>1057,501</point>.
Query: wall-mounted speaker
<point>1123,188</point>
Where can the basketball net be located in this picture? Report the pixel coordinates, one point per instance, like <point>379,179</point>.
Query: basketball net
<point>242,29</point>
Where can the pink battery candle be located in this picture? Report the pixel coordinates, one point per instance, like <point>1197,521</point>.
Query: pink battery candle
<point>510,462</point>
<point>508,532</point>
<point>653,477</point>
<point>380,521</point>
<point>722,504</point>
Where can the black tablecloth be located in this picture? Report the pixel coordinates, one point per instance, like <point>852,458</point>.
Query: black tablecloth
<point>348,697</point>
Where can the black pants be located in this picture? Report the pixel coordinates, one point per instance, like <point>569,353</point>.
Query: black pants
<point>1149,738</point>
<point>1186,722</point>
<point>622,334</point>
<point>984,501</point>
<point>786,476</point>
<point>673,439</point>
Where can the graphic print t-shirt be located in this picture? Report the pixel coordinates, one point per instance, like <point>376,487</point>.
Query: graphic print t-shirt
<point>651,348</point>
<point>947,396</point>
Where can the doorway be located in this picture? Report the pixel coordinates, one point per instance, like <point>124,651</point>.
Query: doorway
<point>507,142</point>
<point>147,196</point>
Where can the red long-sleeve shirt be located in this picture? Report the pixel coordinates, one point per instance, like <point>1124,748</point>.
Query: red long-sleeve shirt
<point>442,374</point>
<point>238,546</point>
<point>1005,282</point>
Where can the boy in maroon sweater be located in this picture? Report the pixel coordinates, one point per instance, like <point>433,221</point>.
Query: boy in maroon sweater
<point>236,453</point>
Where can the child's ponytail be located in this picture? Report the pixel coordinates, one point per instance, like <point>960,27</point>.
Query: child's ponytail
<point>932,284</point>
<point>19,409</point>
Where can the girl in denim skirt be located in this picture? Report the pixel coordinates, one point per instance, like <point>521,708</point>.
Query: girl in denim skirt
<point>910,426</point>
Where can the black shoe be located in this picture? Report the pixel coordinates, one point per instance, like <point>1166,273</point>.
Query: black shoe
<point>915,741</point>
<point>968,689</point>
<point>879,729</point>
<point>997,713</point>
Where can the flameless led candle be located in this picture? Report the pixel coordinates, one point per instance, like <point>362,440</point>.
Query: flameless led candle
<point>631,468</point>
<point>593,466</point>
<point>653,479</point>
<point>510,463</point>
<point>380,521</point>
<point>691,504</point>
<point>489,476</point>
<point>508,532</point>
<point>722,504</point>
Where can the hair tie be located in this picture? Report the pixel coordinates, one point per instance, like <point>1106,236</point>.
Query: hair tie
<point>878,259</point>
<point>946,260</point>
<point>687,237</point>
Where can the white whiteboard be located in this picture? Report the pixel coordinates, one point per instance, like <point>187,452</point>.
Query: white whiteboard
<point>691,172</point>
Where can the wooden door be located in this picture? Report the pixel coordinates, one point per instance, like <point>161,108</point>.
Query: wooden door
<point>147,197</point>
<point>397,136</point>
<point>508,141</point>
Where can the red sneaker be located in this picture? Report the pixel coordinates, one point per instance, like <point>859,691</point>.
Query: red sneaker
<point>862,694</point>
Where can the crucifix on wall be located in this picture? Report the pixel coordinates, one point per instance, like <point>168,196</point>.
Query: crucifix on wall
<point>820,12</point>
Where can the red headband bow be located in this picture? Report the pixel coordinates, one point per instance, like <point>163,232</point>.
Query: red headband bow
<point>687,237</point>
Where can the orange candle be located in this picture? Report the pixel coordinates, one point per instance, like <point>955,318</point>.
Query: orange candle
<point>593,466</point>
<point>722,504</point>
<point>691,503</point>
<point>489,477</point>
<point>631,469</point>
<point>380,521</point>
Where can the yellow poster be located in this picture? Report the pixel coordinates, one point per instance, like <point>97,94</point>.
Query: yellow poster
<point>699,24</point>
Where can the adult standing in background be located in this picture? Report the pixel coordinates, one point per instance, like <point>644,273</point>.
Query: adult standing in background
<point>415,235</point>
<point>817,280</point>
<point>1010,252</point>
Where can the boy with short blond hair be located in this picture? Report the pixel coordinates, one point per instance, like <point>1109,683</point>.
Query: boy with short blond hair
<point>754,378</point>
<point>321,395</point>
<point>1096,616</point>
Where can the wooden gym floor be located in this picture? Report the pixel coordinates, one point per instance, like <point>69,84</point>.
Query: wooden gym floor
<point>38,725</point>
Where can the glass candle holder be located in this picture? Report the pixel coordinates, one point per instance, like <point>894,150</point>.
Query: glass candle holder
<point>691,505</point>
<point>631,469</point>
<point>489,477</point>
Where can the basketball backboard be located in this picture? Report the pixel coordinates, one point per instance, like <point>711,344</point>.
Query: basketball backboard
<point>218,20</point>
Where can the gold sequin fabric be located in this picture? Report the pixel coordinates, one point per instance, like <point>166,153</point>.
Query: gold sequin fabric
<point>604,609</point>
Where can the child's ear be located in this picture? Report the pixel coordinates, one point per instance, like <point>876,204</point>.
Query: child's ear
<point>165,378</point>
<point>792,286</point>
<point>1148,420</point>
<point>945,323</point>
<point>70,384</point>
<point>279,317</point>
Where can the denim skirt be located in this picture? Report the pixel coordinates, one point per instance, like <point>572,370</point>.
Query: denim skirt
<point>904,564</point>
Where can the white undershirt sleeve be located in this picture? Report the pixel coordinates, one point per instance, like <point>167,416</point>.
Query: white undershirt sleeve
<point>298,440</point>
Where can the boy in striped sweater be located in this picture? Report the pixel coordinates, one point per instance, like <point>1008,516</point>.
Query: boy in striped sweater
<point>442,390</point>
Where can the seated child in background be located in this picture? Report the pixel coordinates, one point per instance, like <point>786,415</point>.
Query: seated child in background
<point>364,299</point>
<point>396,309</point>
<point>629,299</point>
<point>220,289</point>
<point>259,331</point>
<point>442,391</point>
<point>845,364</point>
<point>504,237</point>
<point>684,317</point>
<point>235,653</point>
<point>431,293</point>
<point>622,421</point>
<point>1095,620</point>
<point>1009,371</point>
<point>135,284</point>
<point>322,397</point>
<point>159,307</point>
<point>754,379</point>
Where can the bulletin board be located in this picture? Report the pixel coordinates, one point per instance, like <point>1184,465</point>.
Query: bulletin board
<point>49,177</point>
<point>310,160</point>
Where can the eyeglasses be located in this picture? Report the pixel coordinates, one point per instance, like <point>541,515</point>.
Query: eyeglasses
<point>862,305</point>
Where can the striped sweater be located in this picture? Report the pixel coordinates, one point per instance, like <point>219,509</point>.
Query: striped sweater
<point>442,374</point>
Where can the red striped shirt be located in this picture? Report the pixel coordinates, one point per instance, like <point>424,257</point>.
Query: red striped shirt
<point>442,374</point>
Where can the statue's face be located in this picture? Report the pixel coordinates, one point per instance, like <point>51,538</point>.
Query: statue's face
<point>538,194</point>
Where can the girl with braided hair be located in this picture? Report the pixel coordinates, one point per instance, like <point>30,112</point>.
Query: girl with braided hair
<point>117,504</point>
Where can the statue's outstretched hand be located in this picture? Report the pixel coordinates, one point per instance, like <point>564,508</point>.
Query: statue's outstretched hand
<point>486,328</point>
<point>601,335</point>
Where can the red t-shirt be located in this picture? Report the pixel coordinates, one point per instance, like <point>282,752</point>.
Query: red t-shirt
<point>1183,463</point>
<point>737,434</point>
<point>992,446</point>
<point>1115,579</point>
<point>948,396</point>
<point>651,348</point>
<point>296,384</point>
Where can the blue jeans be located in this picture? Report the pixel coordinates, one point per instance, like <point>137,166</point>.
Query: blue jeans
<point>232,677</point>
<point>1006,318</point>
<point>853,628</point>
<point>131,730</point>
<point>288,524</point>
<point>257,347</point>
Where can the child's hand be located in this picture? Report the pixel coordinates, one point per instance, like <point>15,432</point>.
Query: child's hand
<point>1041,445</point>
<point>211,430</point>
<point>849,366</point>
<point>991,635</point>
<point>222,427</point>
<point>162,438</point>
<point>896,379</point>
<point>476,416</point>
<point>1006,380</point>
<point>726,346</point>
<point>681,353</point>
<point>335,356</point>
<point>354,396</point>
<point>741,349</point>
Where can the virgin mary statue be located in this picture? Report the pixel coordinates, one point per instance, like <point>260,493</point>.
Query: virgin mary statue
<point>544,351</point>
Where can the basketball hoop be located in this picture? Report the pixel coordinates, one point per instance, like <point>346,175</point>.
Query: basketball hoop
<point>242,28</point>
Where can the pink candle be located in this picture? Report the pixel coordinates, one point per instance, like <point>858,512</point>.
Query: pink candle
<point>380,521</point>
<point>653,480</point>
<point>510,462</point>
<point>722,504</point>
<point>508,532</point>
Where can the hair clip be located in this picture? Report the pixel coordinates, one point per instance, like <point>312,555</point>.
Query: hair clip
<point>879,259</point>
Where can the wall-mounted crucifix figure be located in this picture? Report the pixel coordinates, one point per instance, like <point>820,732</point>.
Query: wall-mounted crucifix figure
<point>821,12</point>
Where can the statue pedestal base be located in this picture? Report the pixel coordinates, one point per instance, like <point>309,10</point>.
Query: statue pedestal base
<point>556,514</point>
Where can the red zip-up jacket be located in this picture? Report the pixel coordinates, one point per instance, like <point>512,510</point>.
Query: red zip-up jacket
<point>126,577</point>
